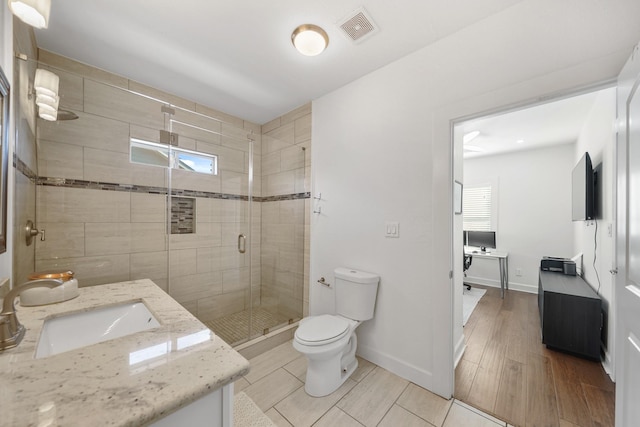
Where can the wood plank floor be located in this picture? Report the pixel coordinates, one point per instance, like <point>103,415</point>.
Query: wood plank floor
<point>506,371</point>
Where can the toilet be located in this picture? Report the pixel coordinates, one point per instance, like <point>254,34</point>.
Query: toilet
<point>329,340</point>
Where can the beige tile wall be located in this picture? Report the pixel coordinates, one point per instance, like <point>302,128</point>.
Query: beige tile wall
<point>24,203</point>
<point>110,236</point>
<point>286,166</point>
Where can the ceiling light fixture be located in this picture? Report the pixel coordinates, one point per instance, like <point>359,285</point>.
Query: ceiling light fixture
<point>32,12</point>
<point>519,141</point>
<point>309,39</point>
<point>468,137</point>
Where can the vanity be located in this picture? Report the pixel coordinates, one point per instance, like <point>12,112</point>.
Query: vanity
<point>175,372</point>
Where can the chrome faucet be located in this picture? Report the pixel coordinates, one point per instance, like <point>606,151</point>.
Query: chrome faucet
<point>11,331</point>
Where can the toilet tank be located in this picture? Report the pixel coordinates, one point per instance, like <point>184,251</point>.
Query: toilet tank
<point>355,293</point>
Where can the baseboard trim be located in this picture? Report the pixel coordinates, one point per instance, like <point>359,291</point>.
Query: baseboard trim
<point>401,368</point>
<point>522,287</point>
<point>607,364</point>
<point>459,351</point>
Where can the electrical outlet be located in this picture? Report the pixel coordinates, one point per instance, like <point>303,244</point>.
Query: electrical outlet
<point>519,272</point>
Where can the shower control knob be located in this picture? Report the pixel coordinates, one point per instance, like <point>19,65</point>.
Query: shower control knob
<point>31,232</point>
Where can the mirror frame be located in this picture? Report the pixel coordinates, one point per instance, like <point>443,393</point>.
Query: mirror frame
<point>4,154</point>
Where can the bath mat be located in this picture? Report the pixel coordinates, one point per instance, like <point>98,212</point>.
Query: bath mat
<point>247,414</point>
<point>470,299</point>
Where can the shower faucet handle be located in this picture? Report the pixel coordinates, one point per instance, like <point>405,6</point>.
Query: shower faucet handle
<point>31,231</point>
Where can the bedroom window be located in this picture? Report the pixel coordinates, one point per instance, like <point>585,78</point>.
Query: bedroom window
<point>477,208</point>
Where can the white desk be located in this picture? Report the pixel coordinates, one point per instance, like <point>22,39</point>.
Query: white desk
<point>503,264</point>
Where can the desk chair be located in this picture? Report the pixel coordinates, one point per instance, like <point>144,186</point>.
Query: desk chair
<point>465,266</point>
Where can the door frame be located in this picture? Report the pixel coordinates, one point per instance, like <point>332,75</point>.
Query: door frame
<point>455,247</point>
<point>627,83</point>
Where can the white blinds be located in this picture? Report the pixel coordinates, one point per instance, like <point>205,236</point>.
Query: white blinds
<point>476,208</point>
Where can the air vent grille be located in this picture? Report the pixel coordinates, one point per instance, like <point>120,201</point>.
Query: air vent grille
<point>358,25</point>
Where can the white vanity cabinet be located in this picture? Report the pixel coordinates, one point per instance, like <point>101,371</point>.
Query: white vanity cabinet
<point>213,410</point>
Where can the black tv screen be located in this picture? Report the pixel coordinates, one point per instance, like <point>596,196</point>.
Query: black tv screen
<point>582,190</point>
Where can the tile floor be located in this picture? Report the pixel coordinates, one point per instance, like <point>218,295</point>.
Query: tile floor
<point>372,396</point>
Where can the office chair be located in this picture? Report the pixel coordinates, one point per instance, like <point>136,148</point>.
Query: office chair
<point>465,266</point>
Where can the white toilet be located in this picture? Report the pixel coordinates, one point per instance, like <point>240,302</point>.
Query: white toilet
<point>329,341</point>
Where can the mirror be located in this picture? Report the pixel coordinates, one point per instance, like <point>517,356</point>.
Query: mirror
<point>4,153</point>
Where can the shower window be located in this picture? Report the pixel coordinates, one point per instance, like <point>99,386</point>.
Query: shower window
<point>154,154</point>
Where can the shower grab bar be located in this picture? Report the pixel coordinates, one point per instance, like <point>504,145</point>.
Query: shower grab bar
<point>242,243</point>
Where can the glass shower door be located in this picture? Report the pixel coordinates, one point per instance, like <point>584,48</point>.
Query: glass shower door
<point>210,186</point>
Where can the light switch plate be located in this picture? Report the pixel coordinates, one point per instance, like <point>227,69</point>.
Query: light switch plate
<point>392,229</point>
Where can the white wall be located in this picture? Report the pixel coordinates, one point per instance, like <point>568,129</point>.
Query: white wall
<point>6,63</point>
<point>598,139</point>
<point>382,151</point>
<point>533,200</point>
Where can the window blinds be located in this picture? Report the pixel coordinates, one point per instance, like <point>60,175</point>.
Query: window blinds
<point>476,208</point>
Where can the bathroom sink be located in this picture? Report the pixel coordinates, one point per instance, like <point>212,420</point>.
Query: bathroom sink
<point>75,330</point>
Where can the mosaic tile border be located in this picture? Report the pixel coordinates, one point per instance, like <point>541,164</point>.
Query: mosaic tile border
<point>22,167</point>
<point>108,186</point>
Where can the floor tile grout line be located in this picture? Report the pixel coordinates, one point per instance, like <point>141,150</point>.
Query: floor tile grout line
<point>407,409</point>
<point>481,413</point>
<point>395,402</point>
<point>448,412</point>
<point>281,414</point>
<point>349,415</point>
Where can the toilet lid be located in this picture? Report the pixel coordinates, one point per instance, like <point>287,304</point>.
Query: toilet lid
<point>323,329</point>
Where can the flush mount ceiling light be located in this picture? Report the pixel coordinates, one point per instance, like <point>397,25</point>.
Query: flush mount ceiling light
<point>32,12</point>
<point>309,39</point>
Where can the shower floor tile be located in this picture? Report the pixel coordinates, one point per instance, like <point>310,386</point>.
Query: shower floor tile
<point>235,327</point>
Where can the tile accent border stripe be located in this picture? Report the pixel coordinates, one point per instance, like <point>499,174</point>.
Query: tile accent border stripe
<point>131,188</point>
<point>22,167</point>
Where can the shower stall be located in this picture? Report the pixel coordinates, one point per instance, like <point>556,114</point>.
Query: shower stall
<point>147,185</point>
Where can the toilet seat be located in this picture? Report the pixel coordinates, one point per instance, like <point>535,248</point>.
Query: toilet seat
<point>321,330</point>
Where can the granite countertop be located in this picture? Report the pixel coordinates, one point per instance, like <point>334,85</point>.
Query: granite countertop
<point>128,381</point>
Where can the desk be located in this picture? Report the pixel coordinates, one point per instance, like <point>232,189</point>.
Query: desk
<point>503,265</point>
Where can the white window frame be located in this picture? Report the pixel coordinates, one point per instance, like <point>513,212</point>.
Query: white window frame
<point>175,153</point>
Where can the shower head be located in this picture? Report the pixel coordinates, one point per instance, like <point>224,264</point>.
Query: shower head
<point>66,115</point>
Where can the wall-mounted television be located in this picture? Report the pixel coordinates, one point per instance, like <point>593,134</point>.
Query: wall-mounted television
<point>583,204</point>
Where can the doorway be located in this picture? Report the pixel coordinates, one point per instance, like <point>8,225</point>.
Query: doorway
<point>526,157</point>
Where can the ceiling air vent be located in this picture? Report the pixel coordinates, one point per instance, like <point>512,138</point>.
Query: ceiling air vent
<point>358,25</point>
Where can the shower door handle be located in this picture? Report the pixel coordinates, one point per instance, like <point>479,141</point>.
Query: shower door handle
<point>242,243</point>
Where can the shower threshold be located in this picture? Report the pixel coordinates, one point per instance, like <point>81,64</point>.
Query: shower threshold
<point>234,328</point>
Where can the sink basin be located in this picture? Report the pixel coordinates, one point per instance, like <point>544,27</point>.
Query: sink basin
<point>75,330</point>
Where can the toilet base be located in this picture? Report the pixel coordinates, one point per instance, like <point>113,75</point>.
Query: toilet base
<point>326,375</point>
